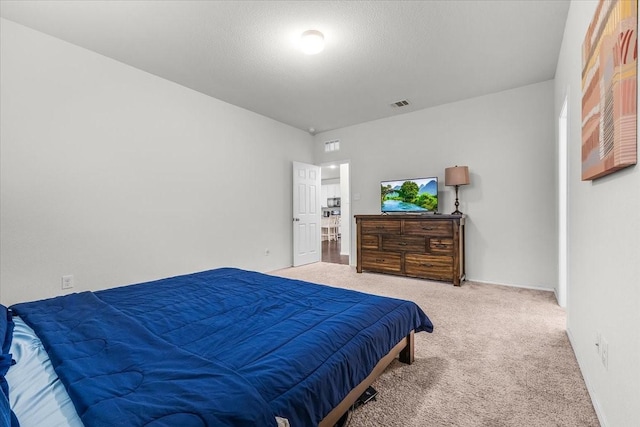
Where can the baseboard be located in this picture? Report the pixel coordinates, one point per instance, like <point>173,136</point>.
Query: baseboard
<point>535,288</point>
<point>594,400</point>
<point>555,294</point>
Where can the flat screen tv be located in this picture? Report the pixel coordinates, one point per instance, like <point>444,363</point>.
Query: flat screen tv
<point>416,195</point>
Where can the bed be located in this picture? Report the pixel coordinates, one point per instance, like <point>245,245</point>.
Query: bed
<point>224,347</point>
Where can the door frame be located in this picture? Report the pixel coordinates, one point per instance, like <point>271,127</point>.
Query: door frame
<point>563,201</point>
<point>346,220</point>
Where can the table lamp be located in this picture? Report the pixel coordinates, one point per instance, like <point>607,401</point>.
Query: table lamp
<point>456,176</point>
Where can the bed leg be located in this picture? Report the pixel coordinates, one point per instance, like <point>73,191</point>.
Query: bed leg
<point>406,354</point>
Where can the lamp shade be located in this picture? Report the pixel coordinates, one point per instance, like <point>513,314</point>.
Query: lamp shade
<point>456,175</point>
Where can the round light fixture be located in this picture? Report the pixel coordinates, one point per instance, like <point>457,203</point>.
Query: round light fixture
<point>312,42</point>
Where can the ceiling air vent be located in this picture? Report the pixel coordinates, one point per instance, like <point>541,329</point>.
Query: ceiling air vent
<point>333,145</point>
<point>402,103</point>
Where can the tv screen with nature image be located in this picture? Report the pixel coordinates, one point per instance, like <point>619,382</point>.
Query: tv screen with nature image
<point>417,195</point>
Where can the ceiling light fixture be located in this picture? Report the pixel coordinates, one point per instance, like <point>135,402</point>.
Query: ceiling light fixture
<point>312,42</point>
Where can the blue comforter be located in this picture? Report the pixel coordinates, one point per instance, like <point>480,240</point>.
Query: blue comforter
<point>225,347</point>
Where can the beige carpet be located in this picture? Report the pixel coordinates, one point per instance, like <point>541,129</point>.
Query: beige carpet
<point>498,356</point>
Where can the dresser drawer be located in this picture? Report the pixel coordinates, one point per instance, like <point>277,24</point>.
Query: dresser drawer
<point>370,241</point>
<point>429,228</point>
<point>441,246</point>
<point>381,261</point>
<point>404,243</point>
<point>433,267</point>
<point>381,227</point>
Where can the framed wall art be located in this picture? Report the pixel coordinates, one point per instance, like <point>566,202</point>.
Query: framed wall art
<point>609,89</point>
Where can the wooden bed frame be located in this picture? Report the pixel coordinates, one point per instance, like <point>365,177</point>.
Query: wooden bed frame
<point>404,350</point>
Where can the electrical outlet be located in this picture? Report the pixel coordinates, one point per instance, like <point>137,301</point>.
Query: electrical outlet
<point>604,353</point>
<point>598,342</point>
<point>67,281</point>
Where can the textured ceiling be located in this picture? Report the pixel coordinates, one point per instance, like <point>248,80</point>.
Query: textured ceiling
<point>377,52</point>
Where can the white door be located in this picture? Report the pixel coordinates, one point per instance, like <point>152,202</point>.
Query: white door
<point>307,214</point>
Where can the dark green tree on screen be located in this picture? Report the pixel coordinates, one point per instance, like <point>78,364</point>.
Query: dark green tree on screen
<point>384,190</point>
<point>409,191</point>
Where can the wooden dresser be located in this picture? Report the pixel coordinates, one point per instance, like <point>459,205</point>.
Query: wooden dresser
<point>425,246</point>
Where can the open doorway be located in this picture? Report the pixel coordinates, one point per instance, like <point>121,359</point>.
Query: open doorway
<point>336,213</point>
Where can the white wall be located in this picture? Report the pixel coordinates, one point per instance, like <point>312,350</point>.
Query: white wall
<point>507,140</point>
<point>117,176</point>
<point>604,252</point>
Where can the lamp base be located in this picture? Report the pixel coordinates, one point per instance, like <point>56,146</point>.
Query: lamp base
<point>456,212</point>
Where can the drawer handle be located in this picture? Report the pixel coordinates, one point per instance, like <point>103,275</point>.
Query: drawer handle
<point>402,244</point>
<point>428,228</point>
<point>440,246</point>
<point>380,260</point>
<point>425,264</point>
<point>380,227</point>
